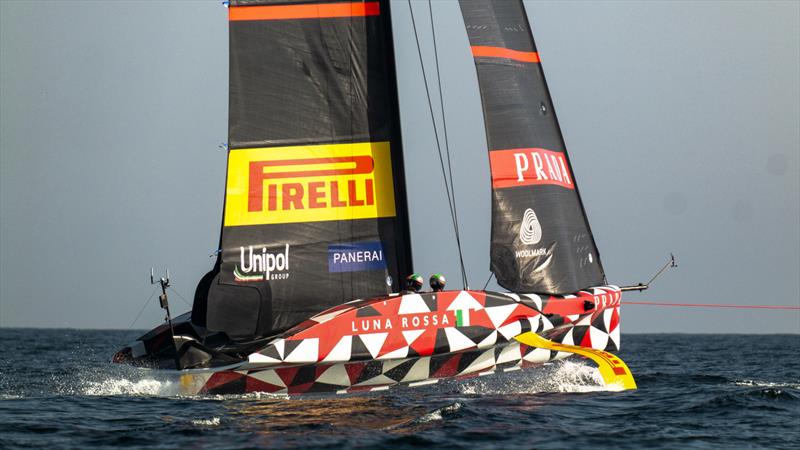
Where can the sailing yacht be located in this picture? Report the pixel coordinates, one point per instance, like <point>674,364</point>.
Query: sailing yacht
<point>312,289</point>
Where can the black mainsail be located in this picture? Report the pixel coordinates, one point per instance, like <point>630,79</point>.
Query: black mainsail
<point>315,208</point>
<point>541,241</point>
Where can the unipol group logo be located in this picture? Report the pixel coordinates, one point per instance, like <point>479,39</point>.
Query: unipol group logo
<point>530,230</point>
<point>259,264</point>
<point>309,183</point>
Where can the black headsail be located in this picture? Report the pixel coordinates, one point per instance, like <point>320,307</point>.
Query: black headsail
<point>541,241</point>
<point>315,209</point>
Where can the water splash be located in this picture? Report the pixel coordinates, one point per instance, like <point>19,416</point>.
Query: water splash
<point>563,376</point>
<point>765,384</point>
<point>212,422</point>
<point>10,397</point>
<point>121,386</point>
<point>439,413</point>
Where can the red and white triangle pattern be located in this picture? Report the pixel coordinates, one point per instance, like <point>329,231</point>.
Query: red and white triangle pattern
<point>419,339</point>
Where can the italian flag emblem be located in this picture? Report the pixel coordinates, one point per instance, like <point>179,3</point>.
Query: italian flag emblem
<point>246,277</point>
<point>462,317</point>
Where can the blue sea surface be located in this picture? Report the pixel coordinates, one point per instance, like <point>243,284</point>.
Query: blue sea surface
<point>58,389</point>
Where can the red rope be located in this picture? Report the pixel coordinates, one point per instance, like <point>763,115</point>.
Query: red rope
<point>713,305</point>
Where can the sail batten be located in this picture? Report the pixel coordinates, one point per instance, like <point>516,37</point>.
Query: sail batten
<point>486,51</point>
<point>541,241</point>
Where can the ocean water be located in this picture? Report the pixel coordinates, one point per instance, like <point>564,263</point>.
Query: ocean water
<point>58,389</point>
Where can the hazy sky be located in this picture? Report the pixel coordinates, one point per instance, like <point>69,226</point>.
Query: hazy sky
<point>681,119</point>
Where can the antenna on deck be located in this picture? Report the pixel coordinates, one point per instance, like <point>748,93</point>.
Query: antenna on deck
<point>641,287</point>
<point>164,302</point>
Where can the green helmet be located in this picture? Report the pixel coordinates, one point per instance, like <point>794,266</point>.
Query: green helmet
<point>437,282</point>
<point>414,282</point>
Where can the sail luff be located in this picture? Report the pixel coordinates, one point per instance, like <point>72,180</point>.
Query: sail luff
<point>402,225</point>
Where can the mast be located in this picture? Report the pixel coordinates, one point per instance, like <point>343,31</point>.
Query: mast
<point>315,210</point>
<point>541,241</point>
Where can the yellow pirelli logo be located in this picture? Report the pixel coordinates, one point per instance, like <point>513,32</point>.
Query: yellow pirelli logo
<point>309,183</point>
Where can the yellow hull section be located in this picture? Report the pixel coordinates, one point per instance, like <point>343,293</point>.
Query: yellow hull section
<point>613,370</point>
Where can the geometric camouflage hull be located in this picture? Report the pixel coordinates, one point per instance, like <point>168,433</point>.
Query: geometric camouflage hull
<point>416,339</point>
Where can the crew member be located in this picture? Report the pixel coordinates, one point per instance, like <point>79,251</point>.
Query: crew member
<point>437,282</point>
<point>413,284</point>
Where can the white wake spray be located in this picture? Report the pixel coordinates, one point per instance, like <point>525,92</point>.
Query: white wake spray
<point>563,376</point>
<point>121,386</point>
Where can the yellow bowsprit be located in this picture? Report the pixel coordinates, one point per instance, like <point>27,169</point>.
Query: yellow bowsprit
<point>612,368</point>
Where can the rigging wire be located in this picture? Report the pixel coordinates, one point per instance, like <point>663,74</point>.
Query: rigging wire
<point>714,305</point>
<point>179,296</point>
<point>450,204</point>
<point>447,148</point>
<point>147,302</point>
<point>491,274</point>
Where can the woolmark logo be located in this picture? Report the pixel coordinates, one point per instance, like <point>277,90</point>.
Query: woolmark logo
<point>356,257</point>
<point>530,230</point>
<point>259,264</point>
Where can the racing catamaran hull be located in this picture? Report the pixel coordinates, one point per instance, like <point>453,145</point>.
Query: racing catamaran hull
<point>409,339</point>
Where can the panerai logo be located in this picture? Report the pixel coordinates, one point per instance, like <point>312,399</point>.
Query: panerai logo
<point>258,264</point>
<point>530,233</point>
<point>356,257</point>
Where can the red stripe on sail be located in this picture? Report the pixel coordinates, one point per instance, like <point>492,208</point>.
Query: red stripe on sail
<point>500,52</point>
<point>307,11</point>
<point>529,166</point>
